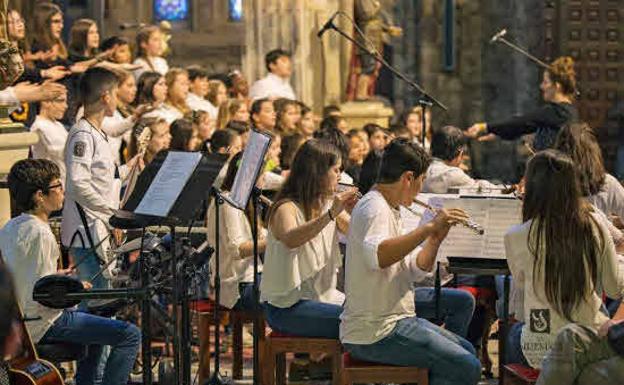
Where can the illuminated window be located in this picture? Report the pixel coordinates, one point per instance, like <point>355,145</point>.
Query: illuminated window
<point>172,10</point>
<point>235,10</point>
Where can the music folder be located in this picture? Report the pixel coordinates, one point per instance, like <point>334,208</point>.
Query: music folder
<point>170,190</point>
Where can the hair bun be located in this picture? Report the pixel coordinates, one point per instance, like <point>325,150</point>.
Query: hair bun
<point>562,71</point>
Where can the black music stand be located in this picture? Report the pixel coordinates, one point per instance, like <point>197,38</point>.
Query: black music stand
<point>167,193</point>
<point>489,266</point>
<point>243,189</point>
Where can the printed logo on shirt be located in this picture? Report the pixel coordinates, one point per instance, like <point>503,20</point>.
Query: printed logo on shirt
<point>540,320</point>
<point>79,149</point>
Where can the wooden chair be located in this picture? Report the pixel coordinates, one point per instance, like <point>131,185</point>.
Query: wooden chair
<point>205,310</point>
<point>517,374</point>
<point>362,372</point>
<point>278,344</point>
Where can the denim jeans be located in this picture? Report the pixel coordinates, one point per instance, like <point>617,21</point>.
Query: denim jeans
<point>305,318</point>
<point>513,349</point>
<point>456,308</point>
<point>247,300</point>
<point>451,360</point>
<point>96,332</point>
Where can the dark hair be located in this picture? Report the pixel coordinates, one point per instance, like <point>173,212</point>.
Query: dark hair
<point>113,42</point>
<point>578,141</point>
<point>239,127</point>
<point>8,304</point>
<point>290,145</point>
<point>78,38</point>
<point>28,176</point>
<point>143,36</point>
<point>181,134</point>
<point>330,110</point>
<point>145,87</point>
<point>304,184</point>
<point>42,20</point>
<point>402,155</point>
<point>272,56</point>
<point>339,140</point>
<point>95,82</point>
<point>562,231</point>
<point>196,72</point>
<point>399,129</point>
<point>447,142</point>
<point>372,128</point>
<point>331,122</point>
<point>256,106</point>
<point>232,169</point>
<point>281,105</point>
<point>222,139</point>
<point>370,171</point>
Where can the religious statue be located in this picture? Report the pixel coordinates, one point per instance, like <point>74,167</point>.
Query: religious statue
<point>11,62</point>
<point>374,20</point>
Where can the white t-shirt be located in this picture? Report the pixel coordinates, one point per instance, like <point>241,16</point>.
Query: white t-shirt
<point>234,269</point>
<point>197,103</point>
<point>376,298</point>
<point>166,112</point>
<point>272,86</point>
<point>440,177</point>
<point>158,64</point>
<point>611,198</point>
<point>51,145</point>
<point>30,251</point>
<point>306,272</point>
<point>542,322</point>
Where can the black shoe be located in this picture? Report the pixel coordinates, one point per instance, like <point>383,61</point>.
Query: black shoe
<point>299,371</point>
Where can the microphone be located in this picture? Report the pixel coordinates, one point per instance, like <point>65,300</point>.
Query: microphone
<point>123,26</point>
<point>498,35</point>
<point>328,25</point>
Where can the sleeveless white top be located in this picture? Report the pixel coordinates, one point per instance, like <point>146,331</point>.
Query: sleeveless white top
<point>306,272</point>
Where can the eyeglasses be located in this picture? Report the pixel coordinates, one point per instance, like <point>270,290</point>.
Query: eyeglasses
<point>59,184</point>
<point>16,21</point>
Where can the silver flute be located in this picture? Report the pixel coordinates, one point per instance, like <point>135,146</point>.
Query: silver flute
<point>469,223</point>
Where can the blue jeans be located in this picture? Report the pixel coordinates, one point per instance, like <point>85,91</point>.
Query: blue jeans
<point>513,349</point>
<point>456,308</point>
<point>451,360</point>
<point>96,332</point>
<point>247,300</point>
<point>305,318</point>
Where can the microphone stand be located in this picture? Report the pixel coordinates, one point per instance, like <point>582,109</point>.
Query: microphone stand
<point>425,98</point>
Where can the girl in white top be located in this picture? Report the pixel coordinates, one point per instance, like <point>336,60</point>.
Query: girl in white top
<point>236,247</point>
<point>578,141</point>
<point>302,254</point>
<point>149,46</point>
<point>52,134</point>
<point>175,106</point>
<point>561,258</point>
<point>152,91</point>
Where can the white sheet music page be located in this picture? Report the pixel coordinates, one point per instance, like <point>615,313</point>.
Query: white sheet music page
<point>495,215</point>
<point>168,183</point>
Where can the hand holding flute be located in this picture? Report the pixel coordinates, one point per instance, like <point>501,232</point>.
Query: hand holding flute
<point>453,216</point>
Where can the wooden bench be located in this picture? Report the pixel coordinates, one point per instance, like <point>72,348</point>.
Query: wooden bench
<point>363,372</point>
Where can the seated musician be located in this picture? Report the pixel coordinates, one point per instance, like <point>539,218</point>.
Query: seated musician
<point>30,251</point>
<point>236,241</point>
<point>562,259</point>
<point>447,149</point>
<point>10,337</point>
<point>379,321</point>
<point>302,255</point>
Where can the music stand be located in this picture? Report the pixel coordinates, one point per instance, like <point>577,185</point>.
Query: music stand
<point>166,194</point>
<point>243,189</point>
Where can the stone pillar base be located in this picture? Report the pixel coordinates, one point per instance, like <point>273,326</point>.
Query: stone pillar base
<point>359,114</point>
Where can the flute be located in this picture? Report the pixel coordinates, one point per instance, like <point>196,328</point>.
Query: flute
<point>469,223</point>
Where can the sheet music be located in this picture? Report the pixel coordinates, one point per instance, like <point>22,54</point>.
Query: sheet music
<point>494,214</point>
<point>168,183</point>
<point>249,170</point>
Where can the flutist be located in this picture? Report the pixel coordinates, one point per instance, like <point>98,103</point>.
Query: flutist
<point>379,321</point>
